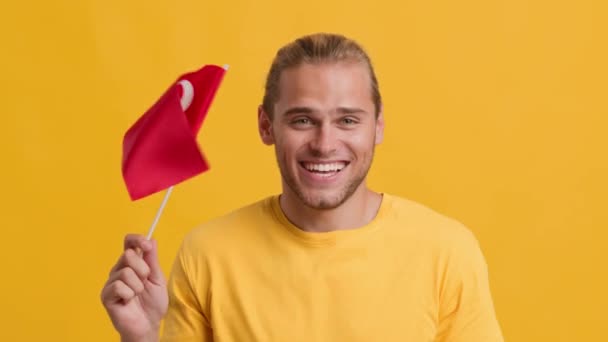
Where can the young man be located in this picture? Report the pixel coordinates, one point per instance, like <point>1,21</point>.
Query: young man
<point>326,260</point>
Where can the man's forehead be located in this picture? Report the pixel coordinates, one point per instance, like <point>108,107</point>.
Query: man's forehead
<point>320,80</point>
<point>328,87</point>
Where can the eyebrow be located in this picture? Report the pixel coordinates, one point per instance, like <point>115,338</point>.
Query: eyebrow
<point>307,110</point>
<point>350,110</point>
<point>298,110</point>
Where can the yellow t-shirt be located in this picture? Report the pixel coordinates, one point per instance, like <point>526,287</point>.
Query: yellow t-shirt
<point>409,275</point>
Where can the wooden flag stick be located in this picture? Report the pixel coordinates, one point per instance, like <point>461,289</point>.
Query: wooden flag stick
<point>159,212</point>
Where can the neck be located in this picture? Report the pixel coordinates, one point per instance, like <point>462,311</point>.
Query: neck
<point>357,211</point>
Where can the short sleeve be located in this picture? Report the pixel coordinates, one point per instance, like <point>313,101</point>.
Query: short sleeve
<point>466,309</point>
<point>186,320</point>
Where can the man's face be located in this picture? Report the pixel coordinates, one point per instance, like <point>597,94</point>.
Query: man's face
<point>324,130</point>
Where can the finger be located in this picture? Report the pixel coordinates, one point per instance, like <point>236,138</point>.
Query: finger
<point>129,277</point>
<point>151,258</point>
<point>134,241</point>
<point>137,263</point>
<point>131,259</point>
<point>116,291</point>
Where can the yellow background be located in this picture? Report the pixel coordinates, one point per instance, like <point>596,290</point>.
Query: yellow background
<point>495,110</point>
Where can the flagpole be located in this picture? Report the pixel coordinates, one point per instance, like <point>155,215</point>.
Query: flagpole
<point>159,212</point>
<point>185,102</point>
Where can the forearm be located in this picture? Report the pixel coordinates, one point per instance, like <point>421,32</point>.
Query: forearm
<point>151,337</point>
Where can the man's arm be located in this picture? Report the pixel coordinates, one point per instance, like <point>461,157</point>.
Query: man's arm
<point>466,310</point>
<point>186,319</point>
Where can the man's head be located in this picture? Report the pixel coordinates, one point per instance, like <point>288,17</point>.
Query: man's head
<point>322,111</point>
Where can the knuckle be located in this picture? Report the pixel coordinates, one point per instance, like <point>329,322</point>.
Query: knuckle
<point>129,254</point>
<point>129,240</point>
<point>115,286</point>
<point>136,262</point>
<point>131,257</point>
<point>121,288</point>
<point>146,271</point>
<point>139,287</point>
<point>125,273</point>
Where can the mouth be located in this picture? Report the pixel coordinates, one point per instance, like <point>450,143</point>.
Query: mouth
<point>325,169</point>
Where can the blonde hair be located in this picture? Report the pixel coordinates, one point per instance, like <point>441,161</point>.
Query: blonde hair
<point>315,49</point>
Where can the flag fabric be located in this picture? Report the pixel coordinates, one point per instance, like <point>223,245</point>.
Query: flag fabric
<point>160,150</point>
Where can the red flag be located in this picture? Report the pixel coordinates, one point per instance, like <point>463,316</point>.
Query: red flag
<point>160,149</point>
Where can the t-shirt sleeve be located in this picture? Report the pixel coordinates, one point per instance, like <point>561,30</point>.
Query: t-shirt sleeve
<point>186,319</point>
<point>466,309</point>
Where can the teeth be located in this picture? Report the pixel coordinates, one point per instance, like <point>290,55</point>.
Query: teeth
<point>333,167</point>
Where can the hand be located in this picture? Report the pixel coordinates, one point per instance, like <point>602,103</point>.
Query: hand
<point>135,295</point>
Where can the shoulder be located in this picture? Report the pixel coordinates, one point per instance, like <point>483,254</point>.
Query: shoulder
<point>426,219</point>
<point>431,227</point>
<point>229,230</point>
<point>453,248</point>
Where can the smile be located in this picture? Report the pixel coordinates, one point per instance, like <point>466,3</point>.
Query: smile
<point>324,168</point>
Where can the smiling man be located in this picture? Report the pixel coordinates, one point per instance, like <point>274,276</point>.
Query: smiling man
<point>326,260</point>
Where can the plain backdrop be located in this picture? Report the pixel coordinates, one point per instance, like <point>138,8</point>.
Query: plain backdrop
<point>496,115</point>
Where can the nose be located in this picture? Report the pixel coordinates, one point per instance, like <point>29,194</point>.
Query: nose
<point>324,141</point>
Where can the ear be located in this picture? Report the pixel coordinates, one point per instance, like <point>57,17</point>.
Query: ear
<point>265,127</point>
<point>380,126</point>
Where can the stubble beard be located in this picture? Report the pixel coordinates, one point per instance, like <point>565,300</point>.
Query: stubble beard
<point>320,202</point>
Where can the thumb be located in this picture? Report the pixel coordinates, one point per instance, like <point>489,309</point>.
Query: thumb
<point>150,256</point>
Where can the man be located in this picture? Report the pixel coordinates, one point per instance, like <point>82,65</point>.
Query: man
<point>326,260</point>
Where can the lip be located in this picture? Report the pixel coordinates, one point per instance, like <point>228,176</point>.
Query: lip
<point>317,179</point>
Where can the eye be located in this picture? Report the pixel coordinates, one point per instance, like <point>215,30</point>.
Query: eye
<point>301,121</point>
<point>348,121</point>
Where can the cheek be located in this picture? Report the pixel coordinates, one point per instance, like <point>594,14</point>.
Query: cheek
<point>285,153</point>
<point>361,141</point>
<point>290,144</point>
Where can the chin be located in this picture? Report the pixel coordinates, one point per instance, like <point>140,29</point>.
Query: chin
<point>322,201</point>
<point>320,198</point>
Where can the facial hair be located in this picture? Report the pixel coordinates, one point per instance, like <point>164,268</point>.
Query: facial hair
<point>322,202</point>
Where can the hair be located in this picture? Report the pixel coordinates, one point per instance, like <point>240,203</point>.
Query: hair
<point>316,49</point>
